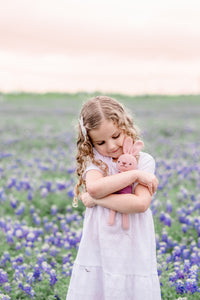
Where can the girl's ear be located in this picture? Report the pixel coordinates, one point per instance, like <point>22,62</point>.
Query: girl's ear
<point>128,143</point>
<point>137,146</point>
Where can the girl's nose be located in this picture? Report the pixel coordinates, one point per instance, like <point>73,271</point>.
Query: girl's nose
<point>111,146</point>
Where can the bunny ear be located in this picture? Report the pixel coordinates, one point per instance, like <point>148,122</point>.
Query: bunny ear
<point>137,146</point>
<point>128,143</point>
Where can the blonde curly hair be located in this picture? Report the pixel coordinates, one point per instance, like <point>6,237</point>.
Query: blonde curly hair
<point>93,112</point>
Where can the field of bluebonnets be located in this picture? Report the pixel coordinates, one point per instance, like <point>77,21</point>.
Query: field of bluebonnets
<point>39,229</point>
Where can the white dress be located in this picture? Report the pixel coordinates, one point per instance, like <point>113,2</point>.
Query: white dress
<point>113,263</point>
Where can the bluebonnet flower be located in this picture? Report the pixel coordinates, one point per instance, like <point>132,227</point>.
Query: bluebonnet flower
<point>186,266</point>
<point>19,233</point>
<point>69,208</point>
<point>61,184</point>
<point>191,286</point>
<point>167,220</point>
<point>164,236</point>
<point>5,257</point>
<point>19,259</point>
<point>184,228</point>
<point>66,258</point>
<point>3,277</point>
<point>168,258</point>
<point>194,258</point>
<point>70,193</point>
<point>180,274</point>
<point>36,271</point>
<point>193,272</point>
<point>48,226</point>
<point>173,276</point>
<point>30,278</point>
<point>45,248</point>
<point>180,287</point>
<point>169,206</point>
<point>32,209</point>
<point>48,185</point>
<point>29,196</point>
<point>188,220</point>
<point>54,251</point>
<point>13,202</point>
<point>9,237</point>
<point>41,257</point>
<point>45,267</point>
<point>7,287</point>
<point>30,237</point>
<point>18,246</point>
<point>28,251</point>
<point>186,253</point>
<point>71,170</point>
<point>45,219</point>
<point>11,182</point>
<point>54,210</point>
<point>4,297</point>
<point>176,252</point>
<point>3,224</point>
<point>163,247</point>
<point>20,210</point>
<point>55,228</point>
<point>28,290</point>
<point>36,219</point>
<point>53,277</point>
<point>25,184</point>
<point>62,224</point>
<point>44,192</point>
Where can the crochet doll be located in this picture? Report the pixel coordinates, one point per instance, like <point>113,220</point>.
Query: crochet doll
<point>126,162</point>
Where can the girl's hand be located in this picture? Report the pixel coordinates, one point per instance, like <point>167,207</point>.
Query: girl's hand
<point>149,180</point>
<point>87,200</point>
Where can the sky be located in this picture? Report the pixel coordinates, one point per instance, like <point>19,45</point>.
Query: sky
<point>131,47</point>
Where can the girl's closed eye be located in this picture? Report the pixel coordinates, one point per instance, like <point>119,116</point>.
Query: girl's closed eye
<point>116,136</point>
<point>101,143</point>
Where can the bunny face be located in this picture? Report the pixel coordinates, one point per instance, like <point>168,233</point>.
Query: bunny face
<point>126,162</point>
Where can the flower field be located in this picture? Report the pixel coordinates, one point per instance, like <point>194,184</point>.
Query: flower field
<point>39,229</point>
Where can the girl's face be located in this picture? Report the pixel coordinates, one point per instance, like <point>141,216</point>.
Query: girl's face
<point>108,139</point>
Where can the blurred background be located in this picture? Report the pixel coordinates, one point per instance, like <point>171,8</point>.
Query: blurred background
<point>130,47</point>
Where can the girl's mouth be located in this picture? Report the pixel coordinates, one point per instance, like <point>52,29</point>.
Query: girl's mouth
<point>115,151</point>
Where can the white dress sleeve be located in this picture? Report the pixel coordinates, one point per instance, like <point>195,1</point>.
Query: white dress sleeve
<point>146,163</point>
<point>91,166</point>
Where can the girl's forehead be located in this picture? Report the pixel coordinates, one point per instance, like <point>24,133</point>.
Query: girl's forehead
<point>106,128</point>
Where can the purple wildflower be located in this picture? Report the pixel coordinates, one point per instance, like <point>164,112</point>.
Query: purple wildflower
<point>13,202</point>
<point>53,277</point>
<point>7,287</point>
<point>54,210</point>
<point>3,277</point>
<point>191,286</point>
<point>180,287</point>
<point>20,210</point>
<point>70,193</point>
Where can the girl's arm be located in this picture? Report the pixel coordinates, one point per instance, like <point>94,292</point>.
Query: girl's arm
<point>98,186</point>
<point>124,203</point>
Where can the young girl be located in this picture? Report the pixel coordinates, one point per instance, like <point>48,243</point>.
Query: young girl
<point>113,263</point>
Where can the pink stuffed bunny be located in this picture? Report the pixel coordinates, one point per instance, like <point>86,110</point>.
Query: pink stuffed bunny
<point>126,162</point>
